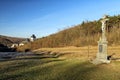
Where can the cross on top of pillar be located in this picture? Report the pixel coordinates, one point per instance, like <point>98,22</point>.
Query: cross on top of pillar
<point>105,16</point>
<point>104,20</point>
<point>103,27</point>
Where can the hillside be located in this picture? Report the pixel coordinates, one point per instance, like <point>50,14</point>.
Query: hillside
<point>7,41</point>
<point>86,33</point>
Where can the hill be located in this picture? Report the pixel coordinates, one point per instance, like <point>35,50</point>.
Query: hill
<point>86,33</point>
<point>7,41</point>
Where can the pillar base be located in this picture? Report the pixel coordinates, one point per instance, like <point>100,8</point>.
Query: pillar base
<point>100,61</point>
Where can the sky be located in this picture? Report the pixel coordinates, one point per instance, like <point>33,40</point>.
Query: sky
<point>22,18</point>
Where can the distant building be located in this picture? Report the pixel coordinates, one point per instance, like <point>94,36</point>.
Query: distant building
<point>14,45</point>
<point>32,38</point>
<point>24,42</point>
<point>21,44</point>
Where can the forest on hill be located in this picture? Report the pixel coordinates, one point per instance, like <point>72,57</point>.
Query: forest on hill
<point>86,33</point>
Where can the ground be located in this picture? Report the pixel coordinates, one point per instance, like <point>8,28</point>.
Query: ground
<point>68,63</point>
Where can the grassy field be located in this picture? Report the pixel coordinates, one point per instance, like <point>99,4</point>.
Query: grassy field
<point>69,63</point>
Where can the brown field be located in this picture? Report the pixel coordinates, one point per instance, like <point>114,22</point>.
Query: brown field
<point>77,52</point>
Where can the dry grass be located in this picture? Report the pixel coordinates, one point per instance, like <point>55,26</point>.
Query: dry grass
<point>81,51</point>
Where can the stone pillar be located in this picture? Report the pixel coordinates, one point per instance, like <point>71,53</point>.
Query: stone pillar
<point>102,50</point>
<point>101,56</point>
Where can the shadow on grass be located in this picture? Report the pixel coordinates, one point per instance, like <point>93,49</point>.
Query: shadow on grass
<point>59,71</point>
<point>27,73</point>
<point>63,70</point>
<point>29,57</point>
<point>77,72</point>
<point>115,58</point>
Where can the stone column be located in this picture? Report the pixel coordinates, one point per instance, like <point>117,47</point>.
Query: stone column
<point>101,56</point>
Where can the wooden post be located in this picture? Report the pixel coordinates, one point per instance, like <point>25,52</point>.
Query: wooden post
<point>88,45</point>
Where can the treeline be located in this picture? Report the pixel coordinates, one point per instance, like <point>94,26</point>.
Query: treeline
<point>86,33</point>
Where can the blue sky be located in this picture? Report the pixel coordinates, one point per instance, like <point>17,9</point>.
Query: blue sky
<point>22,18</point>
